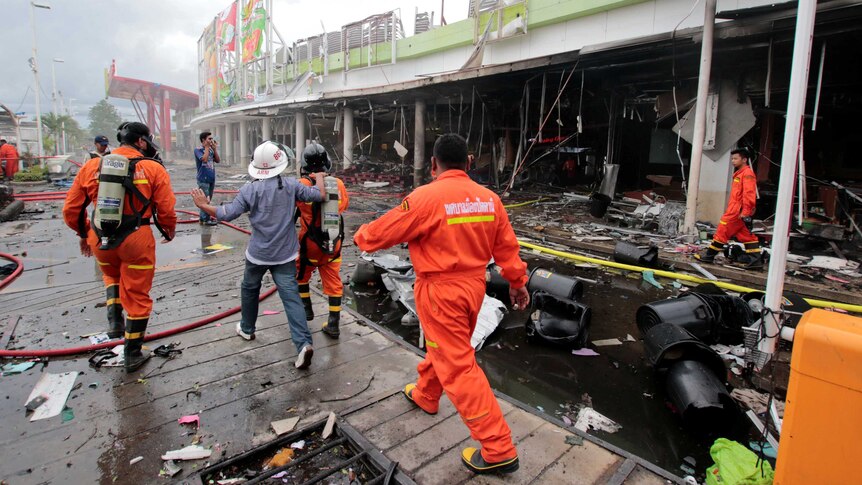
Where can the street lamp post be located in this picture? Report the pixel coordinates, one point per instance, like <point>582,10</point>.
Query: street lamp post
<point>54,105</point>
<point>34,64</point>
<point>54,85</point>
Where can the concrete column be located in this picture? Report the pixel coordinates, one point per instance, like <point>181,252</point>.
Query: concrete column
<point>691,202</point>
<point>222,143</point>
<point>244,155</point>
<point>266,129</point>
<point>348,137</point>
<point>713,187</point>
<point>228,143</point>
<point>418,143</point>
<point>300,140</point>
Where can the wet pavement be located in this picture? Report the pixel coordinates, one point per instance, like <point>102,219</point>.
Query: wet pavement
<point>617,383</point>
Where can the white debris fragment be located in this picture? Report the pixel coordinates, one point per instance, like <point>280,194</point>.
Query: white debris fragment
<point>589,418</point>
<point>606,342</point>
<point>191,452</point>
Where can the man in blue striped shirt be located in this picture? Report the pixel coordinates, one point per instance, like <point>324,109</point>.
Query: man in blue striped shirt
<point>270,201</point>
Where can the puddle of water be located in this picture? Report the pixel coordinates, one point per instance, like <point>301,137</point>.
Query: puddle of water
<point>618,383</point>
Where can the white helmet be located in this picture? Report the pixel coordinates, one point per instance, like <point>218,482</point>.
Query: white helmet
<point>270,159</point>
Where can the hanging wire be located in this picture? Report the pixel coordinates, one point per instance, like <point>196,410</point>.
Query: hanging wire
<point>673,90</point>
<point>519,165</point>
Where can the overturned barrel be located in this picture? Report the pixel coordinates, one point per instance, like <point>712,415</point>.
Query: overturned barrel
<point>599,204</point>
<point>559,321</point>
<point>700,397</point>
<point>667,343</point>
<point>628,253</point>
<point>690,311</point>
<point>366,273</point>
<point>554,284</point>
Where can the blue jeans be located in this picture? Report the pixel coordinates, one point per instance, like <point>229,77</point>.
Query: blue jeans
<point>208,188</point>
<point>284,276</point>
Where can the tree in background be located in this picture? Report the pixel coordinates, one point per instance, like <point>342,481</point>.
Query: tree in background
<point>104,119</point>
<point>56,125</point>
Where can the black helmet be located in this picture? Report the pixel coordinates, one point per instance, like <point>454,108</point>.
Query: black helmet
<point>315,159</point>
<point>132,131</point>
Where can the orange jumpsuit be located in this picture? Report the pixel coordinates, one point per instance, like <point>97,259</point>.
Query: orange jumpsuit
<point>10,155</point>
<point>454,227</point>
<point>131,265</point>
<point>743,197</point>
<point>329,265</point>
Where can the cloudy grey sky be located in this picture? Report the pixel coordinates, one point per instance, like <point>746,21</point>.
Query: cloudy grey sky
<point>153,40</point>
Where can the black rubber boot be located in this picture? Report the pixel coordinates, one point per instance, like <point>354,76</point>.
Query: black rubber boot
<point>330,328</point>
<point>134,355</point>
<point>753,256</point>
<point>305,294</point>
<point>708,255</point>
<point>472,459</point>
<point>116,323</point>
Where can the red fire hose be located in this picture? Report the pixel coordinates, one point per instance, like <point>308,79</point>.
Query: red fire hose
<point>15,273</point>
<point>104,345</point>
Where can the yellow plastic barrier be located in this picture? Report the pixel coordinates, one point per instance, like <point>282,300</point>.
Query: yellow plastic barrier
<point>680,276</point>
<point>823,416</point>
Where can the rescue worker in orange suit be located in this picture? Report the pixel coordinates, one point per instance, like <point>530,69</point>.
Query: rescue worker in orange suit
<point>737,219</point>
<point>315,249</point>
<point>128,266</point>
<point>454,227</point>
<point>9,157</point>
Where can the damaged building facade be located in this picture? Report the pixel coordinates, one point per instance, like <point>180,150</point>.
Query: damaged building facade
<point>549,94</point>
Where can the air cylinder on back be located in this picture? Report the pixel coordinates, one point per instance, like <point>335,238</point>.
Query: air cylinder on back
<point>109,202</point>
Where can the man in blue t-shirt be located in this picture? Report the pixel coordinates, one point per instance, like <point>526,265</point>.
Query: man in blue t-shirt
<point>205,155</point>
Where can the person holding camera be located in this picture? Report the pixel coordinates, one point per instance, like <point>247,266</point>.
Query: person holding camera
<point>205,155</point>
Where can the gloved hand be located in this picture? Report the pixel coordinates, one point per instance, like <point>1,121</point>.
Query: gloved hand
<point>749,223</point>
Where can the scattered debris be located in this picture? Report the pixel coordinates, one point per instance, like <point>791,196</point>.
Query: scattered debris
<point>179,290</point>
<point>702,271</point>
<point>589,418</point>
<point>607,342</point>
<point>283,457</point>
<point>761,428</point>
<point>585,352</point>
<point>135,460</point>
<point>298,445</point>
<point>191,452</point>
<point>99,338</point>
<point>190,419</point>
<point>330,426</point>
<point>284,425</point>
<point>574,440</point>
<point>490,315</point>
<point>170,469</point>
<point>55,388</point>
<point>649,277</point>
<point>68,414</point>
<point>829,262</point>
<point>12,369</point>
<point>756,401</point>
<point>168,351</point>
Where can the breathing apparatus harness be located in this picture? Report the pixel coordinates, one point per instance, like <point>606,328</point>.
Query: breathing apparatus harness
<point>116,183</point>
<point>322,213</point>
